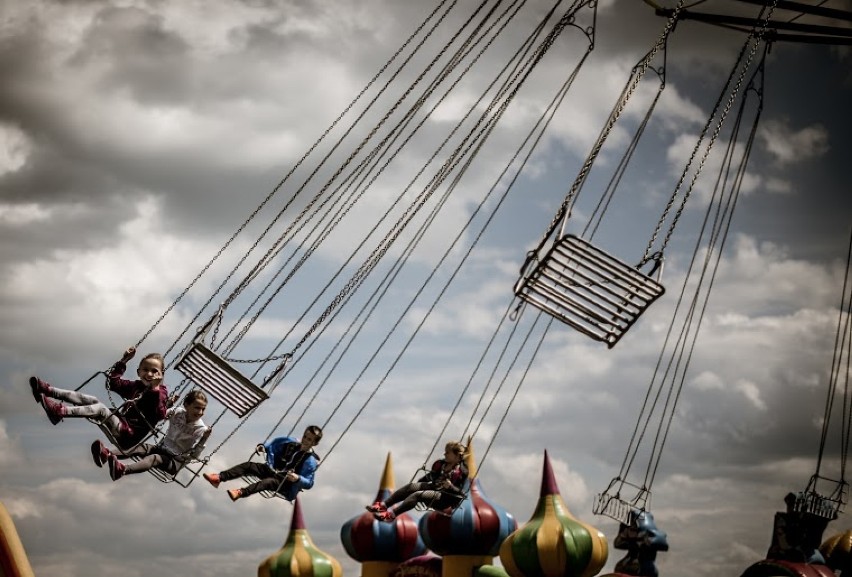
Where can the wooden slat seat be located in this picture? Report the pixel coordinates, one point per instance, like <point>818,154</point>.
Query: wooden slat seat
<point>214,375</point>
<point>588,289</point>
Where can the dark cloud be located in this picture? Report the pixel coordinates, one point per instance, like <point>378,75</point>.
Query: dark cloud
<point>148,133</point>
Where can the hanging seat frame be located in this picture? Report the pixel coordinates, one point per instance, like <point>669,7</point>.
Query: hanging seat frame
<point>611,504</point>
<point>213,374</point>
<point>587,289</point>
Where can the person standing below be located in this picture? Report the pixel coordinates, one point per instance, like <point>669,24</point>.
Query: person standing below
<point>289,468</point>
<point>184,440</point>
<point>147,400</point>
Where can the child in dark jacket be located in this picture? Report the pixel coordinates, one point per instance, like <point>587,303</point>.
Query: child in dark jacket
<point>289,468</point>
<point>441,489</point>
<point>146,400</point>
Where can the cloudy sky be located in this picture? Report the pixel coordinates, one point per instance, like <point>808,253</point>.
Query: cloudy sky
<point>137,136</point>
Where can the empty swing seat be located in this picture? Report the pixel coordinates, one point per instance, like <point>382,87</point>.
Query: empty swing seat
<point>215,376</point>
<point>588,289</point>
<point>611,504</point>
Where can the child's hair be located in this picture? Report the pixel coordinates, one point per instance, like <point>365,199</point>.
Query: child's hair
<point>157,357</point>
<point>456,448</point>
<point>194,395</point>
<point>315,431</point>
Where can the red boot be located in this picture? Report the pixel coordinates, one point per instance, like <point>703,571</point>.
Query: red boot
<point>54,409</point>
<point>100,453</point>
<point>213,479</point>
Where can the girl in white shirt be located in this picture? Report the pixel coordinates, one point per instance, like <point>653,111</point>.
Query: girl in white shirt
<point>184,440</point>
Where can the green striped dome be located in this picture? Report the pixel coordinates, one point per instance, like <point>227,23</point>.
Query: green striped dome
<point>553,543</point>
<point>299,557</point>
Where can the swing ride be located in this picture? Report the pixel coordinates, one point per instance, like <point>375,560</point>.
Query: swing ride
<point>565,277</point>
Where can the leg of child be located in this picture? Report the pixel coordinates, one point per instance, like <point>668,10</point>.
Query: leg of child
<point>268,484</point>
<point>151,456</point>
<point>139,451</point>
<point>269,479</point>
<point>73,397</point>
<point>79,405</point>
<point>259,470</point>
<point>403,492</point>
<point>429,497</point>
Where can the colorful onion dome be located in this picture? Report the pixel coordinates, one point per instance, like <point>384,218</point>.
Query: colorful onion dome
<point>553,543</point>
<point>476,528</point>
<point>366,539</point>
<point>837,551</point>
<point>428,565</point>
<point>778,568</point>
<point>299,557</point>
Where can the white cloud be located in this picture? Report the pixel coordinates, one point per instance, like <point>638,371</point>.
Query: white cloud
<point>156,125</point>
<point>789,146</point>
<point>15,148</point>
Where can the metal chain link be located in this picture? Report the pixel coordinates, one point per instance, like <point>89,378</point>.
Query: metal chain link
<point>276,189</point>
<point>637,74</point>
<point>754,39</point>
<point>450,164</point>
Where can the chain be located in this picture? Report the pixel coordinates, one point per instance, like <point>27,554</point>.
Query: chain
<point>637,74</point>
<point>754,39</point>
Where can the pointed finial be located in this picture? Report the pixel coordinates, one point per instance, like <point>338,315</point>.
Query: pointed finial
<point>470,459</point>
<point>387,476</point>
<point>298,521</point>
<point>548,480</point>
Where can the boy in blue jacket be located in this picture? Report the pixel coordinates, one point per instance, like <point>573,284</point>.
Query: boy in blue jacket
<point>289,468</point>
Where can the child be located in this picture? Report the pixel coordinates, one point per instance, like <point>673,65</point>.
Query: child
<point>289,468</point>
<point>184,440</point>
<point>440,489</point>
<point>147,400</point>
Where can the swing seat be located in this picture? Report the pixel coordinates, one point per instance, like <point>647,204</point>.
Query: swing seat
<point>251,479</point>
<point>214,375</point>
<point>587,289</point>
<point>185,475</point>
<point>611,504</point>
<point>813,503</point>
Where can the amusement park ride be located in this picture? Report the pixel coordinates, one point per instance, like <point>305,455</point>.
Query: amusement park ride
<point>567,277</point>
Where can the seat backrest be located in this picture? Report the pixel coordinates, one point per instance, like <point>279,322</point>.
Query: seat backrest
<point>588,289</point>
<point>214,375</point>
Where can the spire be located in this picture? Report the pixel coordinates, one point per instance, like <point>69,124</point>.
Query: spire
<point>548,480</point>
<point>297,522</point>
<point>388,482</point>
<point>470,459</point>
<point>299,557</point>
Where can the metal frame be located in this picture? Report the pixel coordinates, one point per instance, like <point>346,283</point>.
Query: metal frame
<point>588,289</point>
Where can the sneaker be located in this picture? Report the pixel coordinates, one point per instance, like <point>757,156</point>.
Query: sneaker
<point>125,430</point>
<point>235,494</point>
<point>100,453</point>
<point>54,409</point>
<point>213,479</point>
<point>377,507</point>
<point>116,468</point>
<point>39,388</point>
<point>386,516</point>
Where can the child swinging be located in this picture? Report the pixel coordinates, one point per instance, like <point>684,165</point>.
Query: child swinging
<point>441,488</point>
<point>184,440</point>
<point>147,400</point>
